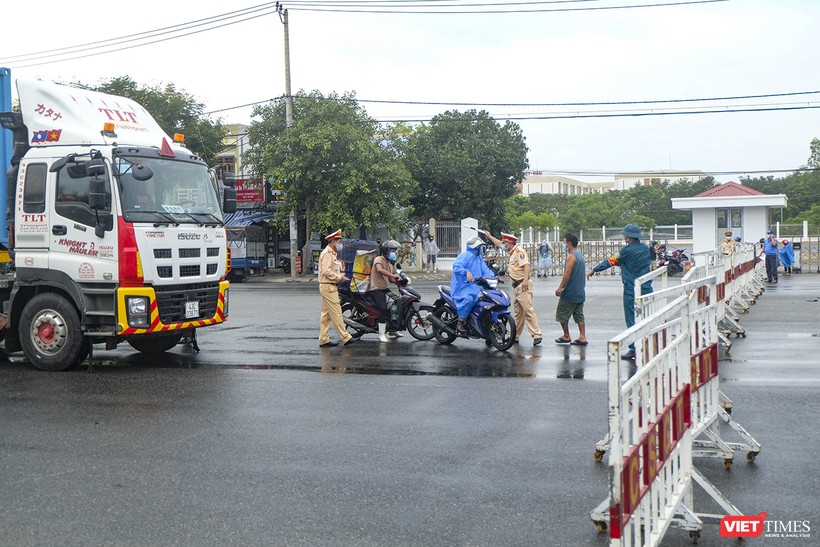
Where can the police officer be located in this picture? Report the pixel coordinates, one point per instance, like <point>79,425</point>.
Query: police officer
<point>519,271</point>
<point>330,276</point>
<point>633,259</point>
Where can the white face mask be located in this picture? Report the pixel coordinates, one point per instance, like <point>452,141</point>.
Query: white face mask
<point>339,247</point>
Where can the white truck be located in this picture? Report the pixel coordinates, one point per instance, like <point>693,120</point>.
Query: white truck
<point>115,230</point>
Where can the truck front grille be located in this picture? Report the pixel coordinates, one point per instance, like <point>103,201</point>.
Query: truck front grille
<point>171,301</point>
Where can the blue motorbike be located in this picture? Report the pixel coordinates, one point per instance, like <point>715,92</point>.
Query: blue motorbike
<point>490,319</point>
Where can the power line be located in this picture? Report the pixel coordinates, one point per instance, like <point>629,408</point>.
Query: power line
<point>328,7</point>
<point>623,115</point>
<point>589,103</point>
<point>225,24</point>
<point>131,37</point>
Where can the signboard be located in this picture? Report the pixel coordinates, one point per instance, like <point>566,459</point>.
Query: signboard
<point>249,192</point>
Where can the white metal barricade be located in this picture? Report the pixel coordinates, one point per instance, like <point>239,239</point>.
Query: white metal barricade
<point>658,414</point>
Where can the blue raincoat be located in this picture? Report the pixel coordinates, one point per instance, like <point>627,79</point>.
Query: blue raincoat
<point>787,255</point>
<point>465,294</point>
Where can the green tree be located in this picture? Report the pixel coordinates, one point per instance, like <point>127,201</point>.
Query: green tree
<point>466,165</point>
<point>336,163</point>
<point>175,110</point>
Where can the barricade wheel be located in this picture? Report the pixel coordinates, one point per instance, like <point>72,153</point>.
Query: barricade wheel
<point>601,526</point>
<point>694,536</point>
<point>599,455</point>
<point>728,463</point>
<point>751,456</point>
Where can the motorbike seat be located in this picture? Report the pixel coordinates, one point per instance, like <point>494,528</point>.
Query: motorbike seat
<point>444,289</point>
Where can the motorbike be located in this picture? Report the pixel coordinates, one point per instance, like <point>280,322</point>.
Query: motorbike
<point>405,312</point>
<point>284,263</point>
<point>490,319</point>
<point>672,261</point>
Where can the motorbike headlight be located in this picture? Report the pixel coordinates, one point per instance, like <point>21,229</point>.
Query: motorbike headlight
<point>136,308</point>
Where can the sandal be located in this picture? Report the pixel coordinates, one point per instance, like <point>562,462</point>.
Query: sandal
<point>579,343</point>
<point>563,341</point>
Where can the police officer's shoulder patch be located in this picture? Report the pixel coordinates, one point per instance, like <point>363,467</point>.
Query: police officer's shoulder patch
<point>522,256</point>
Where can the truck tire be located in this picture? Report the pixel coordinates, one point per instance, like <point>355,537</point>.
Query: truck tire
<point>153,345</point>
<point>50,332</point>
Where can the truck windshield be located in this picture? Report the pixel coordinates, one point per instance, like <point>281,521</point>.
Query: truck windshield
<point>177,191</point>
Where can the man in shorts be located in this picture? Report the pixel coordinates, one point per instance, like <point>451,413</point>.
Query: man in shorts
<point>572,294</point>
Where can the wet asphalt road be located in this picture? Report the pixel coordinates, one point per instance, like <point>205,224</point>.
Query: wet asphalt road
<point>265,439</point>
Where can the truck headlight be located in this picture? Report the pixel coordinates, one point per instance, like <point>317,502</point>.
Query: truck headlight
<point>137,309</point>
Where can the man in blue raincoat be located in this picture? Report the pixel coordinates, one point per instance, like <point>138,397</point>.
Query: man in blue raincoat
<point>634,262</point>
<point>468,267</point>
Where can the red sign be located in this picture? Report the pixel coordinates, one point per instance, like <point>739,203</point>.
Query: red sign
<point>250,191</point>
<point>743,526</point>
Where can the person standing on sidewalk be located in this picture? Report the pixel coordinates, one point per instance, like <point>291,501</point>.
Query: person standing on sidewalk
<point>519,271</point>
<point>544,259</point>
<point>787,257</point>
<point>431,252</point>
<point>772,257</point>
<point>572,294</point>
<point>633,259</point>
<point>330,275</point>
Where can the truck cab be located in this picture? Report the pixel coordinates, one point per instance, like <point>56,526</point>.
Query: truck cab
<point>116,229</point>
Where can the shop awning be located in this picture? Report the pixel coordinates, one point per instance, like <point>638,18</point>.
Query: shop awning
<point>245,217</point>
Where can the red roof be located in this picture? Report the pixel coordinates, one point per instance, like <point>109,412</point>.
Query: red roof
<point>729,190</point>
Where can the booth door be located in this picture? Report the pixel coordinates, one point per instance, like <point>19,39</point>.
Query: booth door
<point>730,219</point>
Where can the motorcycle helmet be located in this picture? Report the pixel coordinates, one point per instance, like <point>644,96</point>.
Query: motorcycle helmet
<point>388,245</point>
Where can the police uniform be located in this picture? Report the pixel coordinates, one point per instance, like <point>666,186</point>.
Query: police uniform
<point>523,310</point>
<point>330,274</point>
<point>729,246</point>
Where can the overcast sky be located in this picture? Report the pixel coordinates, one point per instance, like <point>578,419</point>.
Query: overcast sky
<point>694,51</point>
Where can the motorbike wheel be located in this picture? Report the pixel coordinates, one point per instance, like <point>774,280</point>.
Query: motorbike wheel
<point>502,333</point>
<point>674,269</point>
<point>448,317</point>
<point>349,311</point>
<point>419,325</point>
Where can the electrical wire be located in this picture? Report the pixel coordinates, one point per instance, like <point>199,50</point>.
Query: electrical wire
<point>225,24</point>
<point>131,37</point>
<point>331,8</point>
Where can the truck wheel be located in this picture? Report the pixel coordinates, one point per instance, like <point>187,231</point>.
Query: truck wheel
<point>155,344</point>
<point>50,332</point>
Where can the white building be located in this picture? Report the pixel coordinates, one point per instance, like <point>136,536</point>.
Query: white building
<point>535,183</point>
<point>728,207</point>
<point>625,181</point>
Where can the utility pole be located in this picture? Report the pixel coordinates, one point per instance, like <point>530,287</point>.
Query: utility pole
<point>283,17</point>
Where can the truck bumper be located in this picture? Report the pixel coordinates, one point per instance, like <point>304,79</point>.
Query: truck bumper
<point>144,310</point>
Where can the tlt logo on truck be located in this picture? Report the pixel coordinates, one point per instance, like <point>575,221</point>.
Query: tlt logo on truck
<point>743,526</point>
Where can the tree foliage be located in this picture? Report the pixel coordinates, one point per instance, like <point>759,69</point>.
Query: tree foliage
<point>175,110</point>
<point>336,163</point>
<point>466,165</point>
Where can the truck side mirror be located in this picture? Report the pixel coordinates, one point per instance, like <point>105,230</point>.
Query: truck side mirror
<point>105,223</point>
<point>229,200</point>
<point>229,179</point>
<point>95,168</point>
<point>96,193</point>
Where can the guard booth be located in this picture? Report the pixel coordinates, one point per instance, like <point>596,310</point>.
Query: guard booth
<point>729,207</point>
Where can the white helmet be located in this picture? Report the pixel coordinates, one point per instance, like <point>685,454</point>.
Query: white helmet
<point>475,242</point>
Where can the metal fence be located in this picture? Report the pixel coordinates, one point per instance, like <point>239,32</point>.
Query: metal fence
<point>448,238</point>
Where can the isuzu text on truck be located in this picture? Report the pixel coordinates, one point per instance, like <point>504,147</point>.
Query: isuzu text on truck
<point>116,231</point>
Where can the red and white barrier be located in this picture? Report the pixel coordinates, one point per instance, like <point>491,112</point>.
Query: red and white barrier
<point>664,414</point>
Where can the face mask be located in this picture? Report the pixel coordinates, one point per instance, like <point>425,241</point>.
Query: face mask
<point>339,247</point>
<point>391,256</point>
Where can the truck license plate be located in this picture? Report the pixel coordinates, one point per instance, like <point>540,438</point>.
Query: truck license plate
<point>191,310</point>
